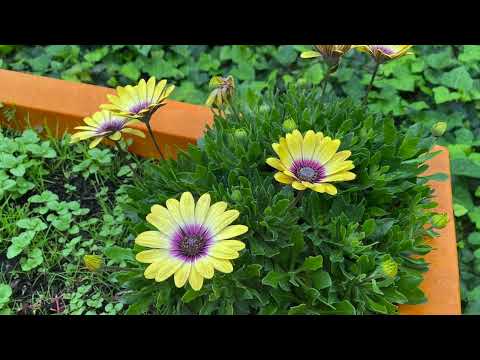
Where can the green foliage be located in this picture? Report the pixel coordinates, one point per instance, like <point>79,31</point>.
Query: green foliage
<point>321,257</point>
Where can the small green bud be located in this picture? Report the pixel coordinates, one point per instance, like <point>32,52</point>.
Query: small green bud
<point>439,221</point>
<point>93,262</point>
<point>241,134</point>
<point>389,268</point>
<point>289,125</point>
<point>439,128</point>
<point>236,195</point>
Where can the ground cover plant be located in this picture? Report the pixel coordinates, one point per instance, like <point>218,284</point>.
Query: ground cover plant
<point>58,203</point>
<point>437,83</point>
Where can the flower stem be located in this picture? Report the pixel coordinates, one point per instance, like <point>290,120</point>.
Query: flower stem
<point>234,110</point>
<point>297,199</point>
<point>150,131</point>
<point>375,71</point>
<point>324,82</point>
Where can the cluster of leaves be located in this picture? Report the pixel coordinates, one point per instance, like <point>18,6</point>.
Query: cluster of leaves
<point>320,257</point>
<point>69,210</point>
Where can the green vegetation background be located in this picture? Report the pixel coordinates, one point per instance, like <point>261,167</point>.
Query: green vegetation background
<point>438,83</point>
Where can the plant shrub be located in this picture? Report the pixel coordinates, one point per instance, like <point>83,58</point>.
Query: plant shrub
<point>344,254</point>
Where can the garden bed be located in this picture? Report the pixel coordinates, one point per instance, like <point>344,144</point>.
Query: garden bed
<point>61,105</point>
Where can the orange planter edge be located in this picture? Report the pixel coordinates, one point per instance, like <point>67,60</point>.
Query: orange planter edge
<point>61,105</point>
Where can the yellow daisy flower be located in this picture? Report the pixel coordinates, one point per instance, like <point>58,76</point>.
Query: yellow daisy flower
<point>223,90</point>
<point>330,53</point>
<point>382,53</point>
<point>139,101</point>
<point>104,124</point>
<point>192,239</point>
<point>311,162</point>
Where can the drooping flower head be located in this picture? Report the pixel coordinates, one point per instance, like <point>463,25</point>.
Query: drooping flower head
<point>311,162</point>
<point>383,53</point>
<point>139,101</point>
<point>103,124</point>
<point>330,53</point>
<point>223,90</point>
<point>93,262</point>
<point>191,240</point>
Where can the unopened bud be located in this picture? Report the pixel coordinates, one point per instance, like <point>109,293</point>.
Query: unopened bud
<point>439,221</point>
<point>289,125</point>
<point>439,128</point>
<point>93,262</point>
<point>389,268</point>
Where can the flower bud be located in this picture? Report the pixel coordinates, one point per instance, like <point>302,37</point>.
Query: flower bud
<point>241,134</point>
<point>289,125</point>
<point>93,262</point>
<point>439,221</point>
<point>439,128</point>
<point>236,195</point>
<point>389,268</point>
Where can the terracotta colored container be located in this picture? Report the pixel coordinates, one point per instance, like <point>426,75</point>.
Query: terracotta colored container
<point>61,105</point>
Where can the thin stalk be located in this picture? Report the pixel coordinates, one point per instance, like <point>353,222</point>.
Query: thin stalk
<point>234,110</point>
<point>150,131</point>
<point>297,199</point>
<point>324,83</point>
<point>375,71</point>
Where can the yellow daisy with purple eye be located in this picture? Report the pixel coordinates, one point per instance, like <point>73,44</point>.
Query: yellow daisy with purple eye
<point>103,124</point>
<point>330,53</point>
<point>382,53</point>
<point>311,162</point>
<point>139,101</point>
<point>191,241</point>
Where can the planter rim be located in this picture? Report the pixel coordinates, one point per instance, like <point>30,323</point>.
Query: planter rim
<point>61,105</point>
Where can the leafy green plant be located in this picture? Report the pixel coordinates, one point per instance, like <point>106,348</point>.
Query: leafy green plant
<point>5,294</point>
<point>324,256</point>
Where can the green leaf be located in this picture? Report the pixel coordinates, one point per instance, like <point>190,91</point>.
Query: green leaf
<point>313,263</point>
<point>314,74</point>
<point>130,71</point>
<point>442,95</point>
<point>35,258</point>
<point>5,293</point>
<point>321,280</point>
<point>119,254</point>
<point>465,167</point>
<point>273,278</point>
<point>458,79</point>
<point>474,238</point>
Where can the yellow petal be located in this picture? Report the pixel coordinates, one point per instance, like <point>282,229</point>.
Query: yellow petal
<point>142,89</point>
<point>163,224</point>
<point>195,279</point>
<point>159,90</point>
<point>182,274</point>
<point>282,151</point>
<point>150,88</point>
<point>309,54</point>
<point>221,251</point>
<point>91,121</point>
<point>187,208</point>
<point>343,176</point>
<point>204,267</point>
<point>275,163</point>
<point>87,128</point>
<point>117,135</point>
<point>231,231</point>
<point>221,265</point>
<point>173,207</point>
<point>294,142</point>
<point>337,167</point>
<point>234,245</point>
<point>150,256</point>
<point>151,270</point>
<point>167,268</point>
<point>201,208</point>
<point>298,185</point>
<point>153,239</point>
<point>82,135</point>
<point>282,178</point>
<point>134,132</point>
<point>222,221</point>
<point>327,151</point>
<point>214,212</point>
<point>95,142</point>
<point>309,144</point>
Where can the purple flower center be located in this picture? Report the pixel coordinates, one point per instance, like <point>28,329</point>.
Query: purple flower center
<point>111,126</point>
<point>139,107</point>
<point>308,170</point>
<point>383,48</point>
<point>191,242</point>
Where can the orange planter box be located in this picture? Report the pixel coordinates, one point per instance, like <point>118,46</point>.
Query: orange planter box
<point>61,105</point>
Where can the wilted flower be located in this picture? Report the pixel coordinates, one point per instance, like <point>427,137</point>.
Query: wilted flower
<point>311,162</point>
<point>383,53</point>
<point>439,221</point>
<point>330,53</point>
<point>139,101</point>
<point>104,124</point>
<point>223,90</point>
<point>439,128</point>
<point>93,262</point>
<point>389,268</point>
<point>191,240</point>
